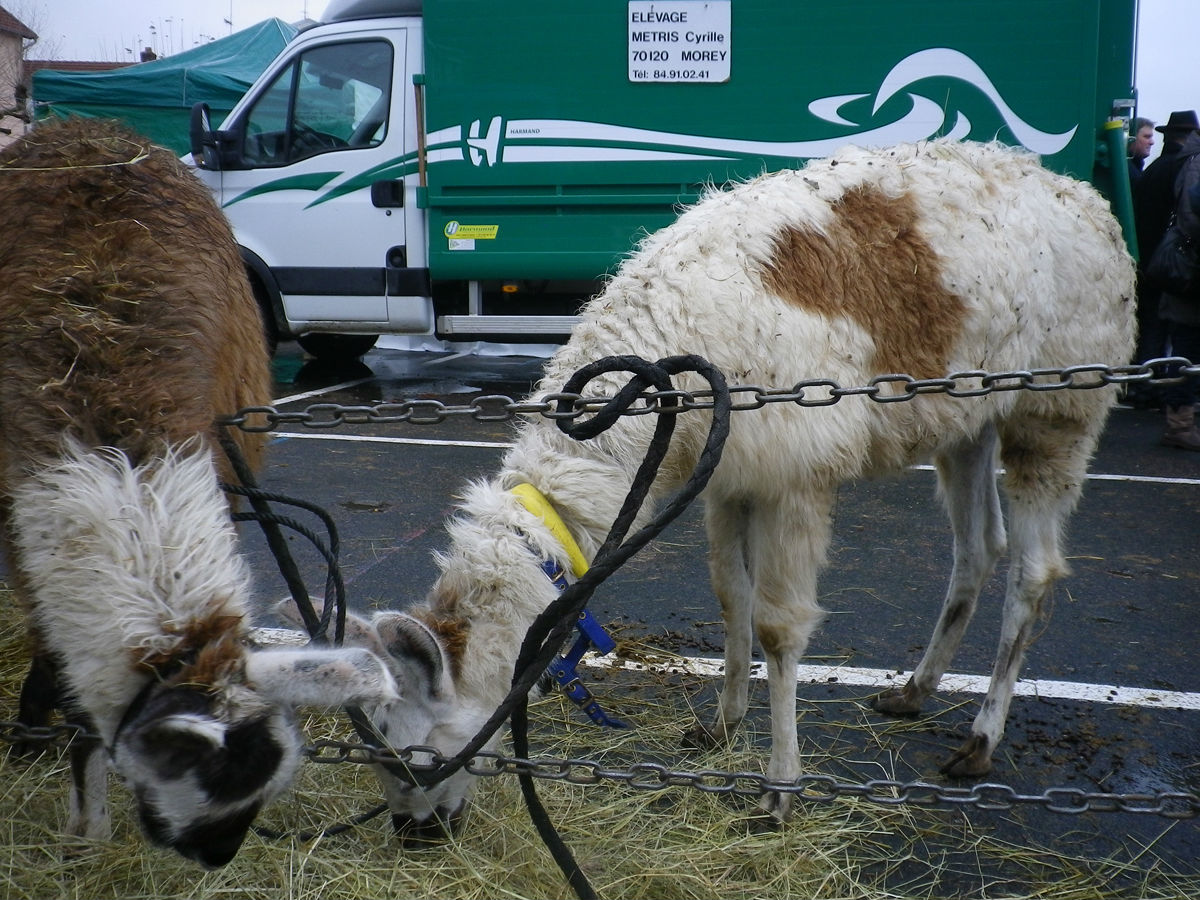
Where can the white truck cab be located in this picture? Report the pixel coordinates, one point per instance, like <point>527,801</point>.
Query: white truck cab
<point>315,169</point>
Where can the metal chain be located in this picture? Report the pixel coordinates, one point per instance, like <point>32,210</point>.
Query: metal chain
<point>647,776</point>
<point>50,735</point>
<point>654,776</point>
<point>816,392</point>
<point>812,393</point>
<point>812,788</point>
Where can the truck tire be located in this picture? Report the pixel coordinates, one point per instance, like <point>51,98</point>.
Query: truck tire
<point>336,347</point>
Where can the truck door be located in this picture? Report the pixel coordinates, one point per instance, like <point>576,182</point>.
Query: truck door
<point>312,184</point>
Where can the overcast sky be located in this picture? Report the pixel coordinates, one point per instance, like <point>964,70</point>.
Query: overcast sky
<point>1168,63</point>
<point>117,29</point>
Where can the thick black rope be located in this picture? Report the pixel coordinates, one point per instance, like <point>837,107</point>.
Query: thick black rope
<point>545,637</point>
<point>263,514</point>
<point>552,627</point>
<point>335,587</point>
<point>305,836</point>
<point>316,624</point>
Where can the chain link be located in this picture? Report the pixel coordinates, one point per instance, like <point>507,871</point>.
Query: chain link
<point>49,735</point>
<point>812,393</point>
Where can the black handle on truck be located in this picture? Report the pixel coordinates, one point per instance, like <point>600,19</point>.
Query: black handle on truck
<point>387,194</point>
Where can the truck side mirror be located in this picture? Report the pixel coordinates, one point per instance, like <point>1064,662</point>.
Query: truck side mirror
<point>203,141</point>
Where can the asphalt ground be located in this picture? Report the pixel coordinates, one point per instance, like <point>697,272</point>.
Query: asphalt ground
<point>1114,698</point>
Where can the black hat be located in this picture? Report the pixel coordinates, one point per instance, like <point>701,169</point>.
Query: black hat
<point>1183,120</point>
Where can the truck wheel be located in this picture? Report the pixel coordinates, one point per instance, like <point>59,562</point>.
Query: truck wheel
<point>334,347</point>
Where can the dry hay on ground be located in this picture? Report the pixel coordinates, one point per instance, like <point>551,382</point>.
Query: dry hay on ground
<point>673,843</point>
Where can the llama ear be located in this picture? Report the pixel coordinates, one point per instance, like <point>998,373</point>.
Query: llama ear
<point>308,677</point>
<point>177,742</point>
<point>409,641</point>
<point>358,632</point>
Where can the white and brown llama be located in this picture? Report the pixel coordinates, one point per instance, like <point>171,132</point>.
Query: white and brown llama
<point>128,327</point>
<point>927,260</point>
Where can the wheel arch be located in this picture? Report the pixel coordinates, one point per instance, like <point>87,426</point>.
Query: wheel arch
<point>266,292</point>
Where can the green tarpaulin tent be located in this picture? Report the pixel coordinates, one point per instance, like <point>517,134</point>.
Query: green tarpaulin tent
<point>155,98</point>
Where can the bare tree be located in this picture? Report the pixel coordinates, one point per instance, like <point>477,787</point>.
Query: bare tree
<point>32,14</point>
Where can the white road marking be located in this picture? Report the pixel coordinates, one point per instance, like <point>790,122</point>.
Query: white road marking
<point>880,679</point>
<point>364,439</point>
<point>325,390</point>
<point>1093,476</point>
<point>504,445</point>
<point>855,676</point>
<point>1144,479</point>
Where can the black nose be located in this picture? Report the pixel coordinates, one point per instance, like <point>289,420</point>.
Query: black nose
<point>213,843</point>
<point>437,829</point>
<point>215,854</point>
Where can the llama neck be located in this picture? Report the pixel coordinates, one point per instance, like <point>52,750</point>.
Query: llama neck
<point>492,579</point>
<point>584,481</point>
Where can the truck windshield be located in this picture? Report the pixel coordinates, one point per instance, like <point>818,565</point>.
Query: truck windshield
<point>332,97</point>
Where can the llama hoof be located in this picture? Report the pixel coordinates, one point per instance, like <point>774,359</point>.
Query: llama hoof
<point>762,822</point>
<point>774,809</point>
<point>699,738</point>
<point>895,702</point>
<point>971,760</point>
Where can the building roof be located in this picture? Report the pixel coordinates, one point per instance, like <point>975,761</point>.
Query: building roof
<point>69,65</point>
<point>10,24</point>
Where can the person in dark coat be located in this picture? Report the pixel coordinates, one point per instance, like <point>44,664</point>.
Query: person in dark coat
<point>1153,203</point>
<point>1164,191</point>
<point>1153,194</point>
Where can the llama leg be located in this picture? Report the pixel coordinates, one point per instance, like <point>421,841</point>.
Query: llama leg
<point>727,562</point>
<point>1045,463</point>
<point>788,539</point>
<point>88,812</point>
<point>88,805</point>
<point>967,481</point>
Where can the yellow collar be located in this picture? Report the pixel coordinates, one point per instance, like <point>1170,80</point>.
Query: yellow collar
<point>533,500</point>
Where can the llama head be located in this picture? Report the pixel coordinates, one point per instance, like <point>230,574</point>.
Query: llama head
<point>427,713</point>
<point>201,761</point>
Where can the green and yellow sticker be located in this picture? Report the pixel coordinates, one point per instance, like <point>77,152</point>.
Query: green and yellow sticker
<point>456,230</point>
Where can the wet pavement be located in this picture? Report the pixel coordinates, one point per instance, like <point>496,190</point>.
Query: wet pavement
<point>1127,616</point>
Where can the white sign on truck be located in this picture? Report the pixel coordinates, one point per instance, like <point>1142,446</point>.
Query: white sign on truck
<point>679,40</point>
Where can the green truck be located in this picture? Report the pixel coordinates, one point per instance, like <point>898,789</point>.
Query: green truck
<point>472,170</point>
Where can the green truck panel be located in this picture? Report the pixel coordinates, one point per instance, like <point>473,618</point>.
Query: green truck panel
<point>547,158</point>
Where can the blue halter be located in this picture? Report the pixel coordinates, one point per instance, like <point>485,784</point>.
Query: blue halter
<point>564,669</point>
